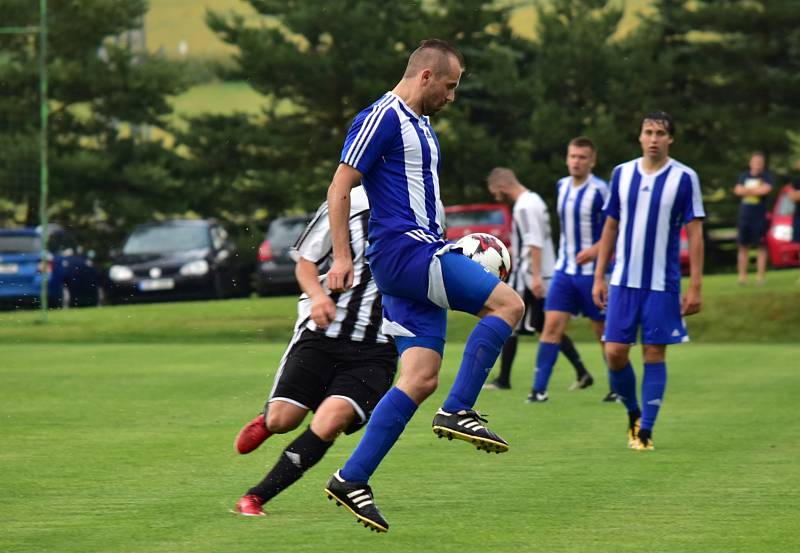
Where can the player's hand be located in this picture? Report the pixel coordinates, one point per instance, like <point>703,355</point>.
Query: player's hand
<point>585,256</point>
<point>340,277</point>
<point>600,293</point>
<point>537,287</point>
<point>691,302</point>
<point>323,310</point>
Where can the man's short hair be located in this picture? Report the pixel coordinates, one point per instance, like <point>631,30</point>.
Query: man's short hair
<point>500,174</point>
<point>661,117</point>
<point>423,57</point>
<point>582,142</point>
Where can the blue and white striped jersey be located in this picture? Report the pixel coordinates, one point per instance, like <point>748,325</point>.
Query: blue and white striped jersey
<point>580,213</point>
<point>398,155</point>
<point>651,209</point>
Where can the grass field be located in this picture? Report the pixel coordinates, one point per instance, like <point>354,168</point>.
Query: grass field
<point>128,448</point>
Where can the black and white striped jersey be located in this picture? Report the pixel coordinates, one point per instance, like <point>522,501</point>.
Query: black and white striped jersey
<point>358,310</point>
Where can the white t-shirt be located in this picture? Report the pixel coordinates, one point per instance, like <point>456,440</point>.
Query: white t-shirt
<point>530,227</point>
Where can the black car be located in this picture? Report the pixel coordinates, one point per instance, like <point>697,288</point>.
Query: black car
<point>275,273</point>
<point>178,259</point>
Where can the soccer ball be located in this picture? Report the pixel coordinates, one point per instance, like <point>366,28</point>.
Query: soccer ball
<point>489,251</point>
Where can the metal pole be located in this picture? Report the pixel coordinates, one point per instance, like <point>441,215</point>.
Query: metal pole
<point>43,150</point>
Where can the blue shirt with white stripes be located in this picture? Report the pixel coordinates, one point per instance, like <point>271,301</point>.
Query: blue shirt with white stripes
<point>651,209</point>
<point>580,213</point>
<point>398,155</point>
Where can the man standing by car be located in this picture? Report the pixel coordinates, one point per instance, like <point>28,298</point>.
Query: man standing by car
<point>338,363</point>
<point>753,187</point>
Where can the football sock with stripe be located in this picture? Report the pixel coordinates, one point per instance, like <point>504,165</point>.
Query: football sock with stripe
<point>623,382</point>
<point>507,359</point>
<point>569,351</point>
<point>545,359</point>
<point>654,383</point>
<point>299,456</point>
<point>387,422</point>
<point>482,349</point>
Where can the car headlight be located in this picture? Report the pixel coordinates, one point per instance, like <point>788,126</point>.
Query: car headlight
<point>119,273</point>
<point>782,233</point>
<point>195,268</point>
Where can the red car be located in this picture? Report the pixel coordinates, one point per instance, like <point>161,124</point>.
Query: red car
<point>465,219</point>
<point>783,252</point>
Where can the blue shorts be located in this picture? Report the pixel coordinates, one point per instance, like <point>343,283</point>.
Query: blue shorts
<point>573,294</point>
<point>658,314</point>
<point>420,281</point>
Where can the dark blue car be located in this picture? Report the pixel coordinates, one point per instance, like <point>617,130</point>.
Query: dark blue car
<point>73,280</point>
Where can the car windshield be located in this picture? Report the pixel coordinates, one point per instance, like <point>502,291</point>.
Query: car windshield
<point>285,232</point>
<point>20,243</point>
<point>167,238</point>
<point>472,218</point>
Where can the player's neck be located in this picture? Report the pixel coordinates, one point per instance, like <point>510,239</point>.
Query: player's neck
<point>405,92</point>
<point>579,180</point>
<point>651,165</point>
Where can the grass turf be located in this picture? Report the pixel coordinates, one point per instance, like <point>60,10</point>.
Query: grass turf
<point>128,447</point>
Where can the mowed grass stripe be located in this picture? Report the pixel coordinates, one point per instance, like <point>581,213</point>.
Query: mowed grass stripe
<point>129,448</point>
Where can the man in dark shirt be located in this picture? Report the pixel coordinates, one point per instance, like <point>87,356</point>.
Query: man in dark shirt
<point>752,187</point>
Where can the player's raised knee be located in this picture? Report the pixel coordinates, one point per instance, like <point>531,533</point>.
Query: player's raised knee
<point>505,303</point>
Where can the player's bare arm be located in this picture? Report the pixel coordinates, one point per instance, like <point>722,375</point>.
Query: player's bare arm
<point>537,284</point>
<point>588,255</point>
<point>692,300</point>
<point>323,309</point>
<point>604,251</point>
<point>340,277</point>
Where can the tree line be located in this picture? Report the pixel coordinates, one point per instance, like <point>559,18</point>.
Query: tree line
<point>728,70</point>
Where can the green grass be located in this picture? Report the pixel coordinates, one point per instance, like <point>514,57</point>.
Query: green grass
<point>128,448</point>
<point>731,313</point>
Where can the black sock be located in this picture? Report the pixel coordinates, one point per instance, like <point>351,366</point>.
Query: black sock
<point>633,416</point>
<point>509,352</point>
<point>569,351</point>
<point>299,456</point>
<point>645,435</point>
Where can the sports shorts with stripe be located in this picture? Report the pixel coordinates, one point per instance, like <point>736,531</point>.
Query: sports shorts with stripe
<point>315,367</point>
<point>657,313</point>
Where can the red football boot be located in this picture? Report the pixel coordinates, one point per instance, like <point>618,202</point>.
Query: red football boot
<point>252,435</point>
<point>250,506</point>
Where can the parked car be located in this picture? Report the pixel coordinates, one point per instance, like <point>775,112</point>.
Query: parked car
<point>73,280</point>
<point>465,219</point>
<point>783,251</point>
<point>275,272</point>
<point>177,259</point>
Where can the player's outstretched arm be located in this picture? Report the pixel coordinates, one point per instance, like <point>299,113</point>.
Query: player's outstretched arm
<point>604,251</point>
<point>340,277</point>
<point>692,301</point>
<point>323,309</point>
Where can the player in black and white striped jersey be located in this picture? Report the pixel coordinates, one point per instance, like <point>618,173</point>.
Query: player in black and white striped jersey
<point>338,363</point>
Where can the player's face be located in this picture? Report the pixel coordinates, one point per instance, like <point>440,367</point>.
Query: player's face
<point>498,193</point>
<point>655,139</point>
<point>440,89</point>
<point>580,161</point>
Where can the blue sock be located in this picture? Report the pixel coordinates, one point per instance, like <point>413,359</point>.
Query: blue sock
<point>624,384</point>
<point>387,422</point>
<point>653,385</point>
<point>545,359</point>
<point>483,346</point>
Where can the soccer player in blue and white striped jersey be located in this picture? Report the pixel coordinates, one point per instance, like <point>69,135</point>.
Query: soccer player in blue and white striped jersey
<point>650,199</point>
<point>392,149</point>
<point>580,200</point>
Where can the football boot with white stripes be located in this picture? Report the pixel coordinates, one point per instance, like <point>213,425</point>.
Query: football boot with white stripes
<point>468,425</point>
<point>358,499</point>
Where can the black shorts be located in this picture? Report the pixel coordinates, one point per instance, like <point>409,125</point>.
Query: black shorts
<point>533,319</point>
<point>752,232</point>
<point>315,367</point>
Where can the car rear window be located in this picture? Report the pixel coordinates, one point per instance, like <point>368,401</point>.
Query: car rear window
<point>283,233</point>
<point>20,244</point>
<point>471,218</point>
<point>167,238</point>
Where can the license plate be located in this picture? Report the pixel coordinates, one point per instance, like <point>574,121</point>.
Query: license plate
<point>150,285</point>
<point>9,268</point>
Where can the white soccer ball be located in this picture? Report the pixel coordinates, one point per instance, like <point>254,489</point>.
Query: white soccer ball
<point>489,251</point>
